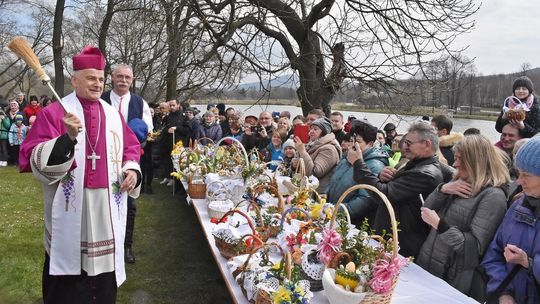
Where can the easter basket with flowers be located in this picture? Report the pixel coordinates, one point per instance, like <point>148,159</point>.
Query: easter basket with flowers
<point>371,270</point>
<point>264,282</point>
<point>231,240</point>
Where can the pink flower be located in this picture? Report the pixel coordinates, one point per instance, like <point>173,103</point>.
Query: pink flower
<point>384,272</point>
<point>329,245</point>
<point>291,240</point>
<point>289,199</point>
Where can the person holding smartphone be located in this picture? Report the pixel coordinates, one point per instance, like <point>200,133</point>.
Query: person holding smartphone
<point>359,203</point>
<point>464,214</point>
<point>321,154</point>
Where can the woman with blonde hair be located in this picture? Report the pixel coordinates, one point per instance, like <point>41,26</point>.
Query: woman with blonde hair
<point>284,123</point>
<point>464,214</point>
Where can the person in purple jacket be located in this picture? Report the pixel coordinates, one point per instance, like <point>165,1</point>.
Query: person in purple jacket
<point>512,261</point>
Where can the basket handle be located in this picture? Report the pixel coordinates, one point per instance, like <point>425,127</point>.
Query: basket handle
<point>334,263</point>
<point>386,203</point>
<point>204,138</point>
<point>255,238</point>
<point>301,168</point>
<point>289,211</point>
<point>223,187</point>
<point>239,143</point>
<point>246,263</point>
<point>253,205</point>
<point>250,223</point>
<point>281,204</point>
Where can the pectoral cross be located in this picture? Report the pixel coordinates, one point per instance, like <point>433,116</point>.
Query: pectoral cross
<point>93,157</point>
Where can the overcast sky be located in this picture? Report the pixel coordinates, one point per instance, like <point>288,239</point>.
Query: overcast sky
<point>507,34</point>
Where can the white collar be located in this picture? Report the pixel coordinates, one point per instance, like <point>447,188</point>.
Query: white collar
<point>126,96</point>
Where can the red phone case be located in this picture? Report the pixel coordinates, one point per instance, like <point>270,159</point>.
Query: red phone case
<point>302,131</point>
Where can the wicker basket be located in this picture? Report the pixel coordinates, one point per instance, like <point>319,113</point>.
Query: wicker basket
<point>228,250</point>
<point>215,199</point>
<point>196,190</point>
<point>261,296</point>
<point>300,173</point>
<point>337,295</point>
<point>265,232</point>
<point>261,188</point>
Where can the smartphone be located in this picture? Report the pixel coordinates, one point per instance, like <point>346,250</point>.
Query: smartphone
<point>302,131</point>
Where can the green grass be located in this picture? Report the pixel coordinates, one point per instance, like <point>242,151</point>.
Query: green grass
<point>174,263</point>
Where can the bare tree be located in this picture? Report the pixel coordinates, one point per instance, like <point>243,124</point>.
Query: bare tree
<point>326,41</point>
<point>525,67</point>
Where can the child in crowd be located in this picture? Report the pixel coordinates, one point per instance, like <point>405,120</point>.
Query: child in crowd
<point>289,152</point>
<point>274,151</point>
<point>17,133</point>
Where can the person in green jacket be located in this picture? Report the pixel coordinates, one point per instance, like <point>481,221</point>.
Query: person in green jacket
<point>4,129</point>
<point>359,204</point>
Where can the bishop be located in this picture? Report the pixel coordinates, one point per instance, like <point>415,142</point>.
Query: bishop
<point>84,194</point>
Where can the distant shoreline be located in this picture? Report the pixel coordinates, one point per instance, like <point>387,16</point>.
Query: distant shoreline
<point>487,114</point>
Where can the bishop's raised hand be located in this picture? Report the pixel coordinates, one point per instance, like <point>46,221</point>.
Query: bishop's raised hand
<point>73,124</point>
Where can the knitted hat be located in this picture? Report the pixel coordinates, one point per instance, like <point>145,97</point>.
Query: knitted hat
<point>288,143</point>
<point>324,124</point>
<point>523,81</point>
<point>528,158</point>
<point>19,117</point>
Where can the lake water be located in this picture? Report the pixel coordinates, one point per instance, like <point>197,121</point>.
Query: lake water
<point>379,120</point>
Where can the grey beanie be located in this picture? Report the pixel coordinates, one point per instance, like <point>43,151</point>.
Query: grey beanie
<point>523,81</point>
<point>324,124</point>
<point>288,143</point>
<point>528,158</point>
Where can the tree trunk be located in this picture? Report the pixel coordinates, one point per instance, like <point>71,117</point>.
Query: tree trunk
<point>58,47</point>
<point>103,31</point>
<point>172,53</point>
<point>316,90</point>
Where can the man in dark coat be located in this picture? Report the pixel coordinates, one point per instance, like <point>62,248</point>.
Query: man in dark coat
<point>259,136</point>
<point>420,175</point>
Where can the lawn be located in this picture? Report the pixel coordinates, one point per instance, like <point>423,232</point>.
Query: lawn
<point>174,263</point>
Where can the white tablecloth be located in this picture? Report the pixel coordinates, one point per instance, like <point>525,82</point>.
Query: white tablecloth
<point>415,285</point>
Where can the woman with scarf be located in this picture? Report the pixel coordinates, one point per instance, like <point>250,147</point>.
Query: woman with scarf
<point>522,97</point>
<point>464,215</point>
<point>322,154</point>
<point>512,261</point>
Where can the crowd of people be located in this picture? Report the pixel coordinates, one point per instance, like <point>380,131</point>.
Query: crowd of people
<point>467,208</point>
<point>458,198</point>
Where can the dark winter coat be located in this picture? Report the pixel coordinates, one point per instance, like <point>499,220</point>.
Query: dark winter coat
<point>474,220</point>
<point>212,131</point>
<point>531,122</point>
<point>359,203</point>
<point>417,176</point>
<point>446,144</point>
<point>520,227</point>
<point>178,120</point>
<point>255,141</point>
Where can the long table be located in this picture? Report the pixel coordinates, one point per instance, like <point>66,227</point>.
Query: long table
<point>415,285</point>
